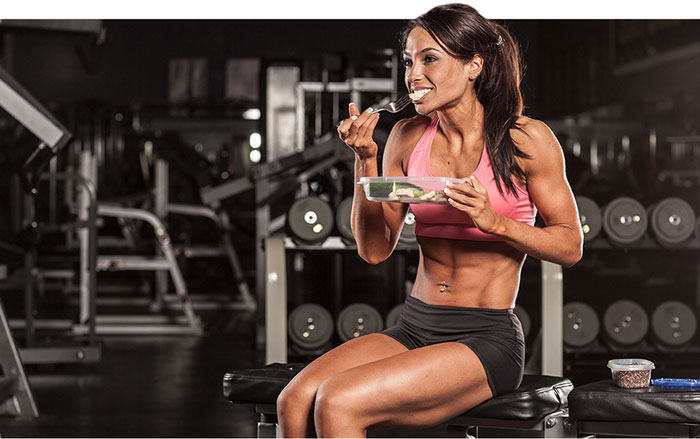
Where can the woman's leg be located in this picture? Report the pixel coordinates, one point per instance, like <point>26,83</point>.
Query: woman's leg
<point>418,388</point>
<point>296,402</point>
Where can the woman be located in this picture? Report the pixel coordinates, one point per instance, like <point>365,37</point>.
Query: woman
<point>457,342</point>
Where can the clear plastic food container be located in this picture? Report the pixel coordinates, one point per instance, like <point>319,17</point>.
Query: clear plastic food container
<point>631,373</point>
<point>414,190</point>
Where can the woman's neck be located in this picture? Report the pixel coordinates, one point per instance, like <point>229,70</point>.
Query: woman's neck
<point>463,124</point>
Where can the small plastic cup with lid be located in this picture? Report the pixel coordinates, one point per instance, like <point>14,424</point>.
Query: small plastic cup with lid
<point>631,373</point>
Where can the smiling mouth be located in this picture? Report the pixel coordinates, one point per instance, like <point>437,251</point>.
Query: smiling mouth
<point>418,94</point>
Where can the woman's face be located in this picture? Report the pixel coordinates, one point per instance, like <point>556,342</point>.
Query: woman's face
<point>443,78</point>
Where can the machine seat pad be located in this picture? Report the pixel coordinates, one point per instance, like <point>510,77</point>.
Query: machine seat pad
<point>260,386</point>
<point>604,401</point>
<point>537,396</point>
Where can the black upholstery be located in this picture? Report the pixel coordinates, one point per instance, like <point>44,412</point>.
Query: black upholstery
<point>537,396</point>
<point>604,401</point>
<point>259,386</point>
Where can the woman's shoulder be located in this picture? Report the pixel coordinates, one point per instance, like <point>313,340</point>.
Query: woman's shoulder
<point>533,136</point>
<point>536,139</point>
<point>409,130</point>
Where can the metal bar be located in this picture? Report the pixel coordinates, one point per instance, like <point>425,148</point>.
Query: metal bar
<point>552,326</point>
<point>128,263</point>
<point>12,366</point>
<point>172,329</point>
<point>161,210</point>
<point>52,355</point>
<point>275,301</point>
<point>213,195</point>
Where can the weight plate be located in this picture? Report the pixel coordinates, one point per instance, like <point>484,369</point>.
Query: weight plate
<point>673,323</point>
<point>697,227</point>
<point>624,220</point>
<point>524,318</point>
<point>591,217</point>
<point>358,319</point>
<point>342,219</point>
<point>310,220</point>
<point>310,326</point>
<point>625,322</point>
<point>581,324</point>
<point>408,233</point>
<point>672,221</point>
<point>393,317</point>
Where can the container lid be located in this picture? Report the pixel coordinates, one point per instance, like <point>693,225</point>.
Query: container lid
<point>404,179</point>
<point>676,382</point>
<point>630,364</point>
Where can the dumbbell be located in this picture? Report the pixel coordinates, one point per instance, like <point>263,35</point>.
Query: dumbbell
<point>591,217</point>
<point>671,221</point>
<point>624,221</point>
<point>408,232</point>
<point>524,318</point>
<point>581,324</point>
<point>392,318</point>
<point>310,326</point>
<point>309,220</point>
<point>343,219</point>
<point>673,324</point>
<point>625,323</point>
<point>358,319</point>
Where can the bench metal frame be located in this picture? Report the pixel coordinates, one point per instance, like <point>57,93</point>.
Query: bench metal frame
<point>555,425</point>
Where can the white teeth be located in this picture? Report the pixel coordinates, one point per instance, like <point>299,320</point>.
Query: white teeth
<point>418,94</point>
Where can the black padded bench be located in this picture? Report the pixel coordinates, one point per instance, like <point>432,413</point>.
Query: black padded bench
<point>538,406</point>
<point>602,408</point>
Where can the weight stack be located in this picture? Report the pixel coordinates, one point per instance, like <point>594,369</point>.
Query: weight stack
<point>625,326</point>
<point>310,329</point>
<point>591,217</point>
<point>357,320</point>
<point>309,220</point>
<point>624,221</point>
<point>581,327</point>
<point>671,221</point>
<point>673,326</point>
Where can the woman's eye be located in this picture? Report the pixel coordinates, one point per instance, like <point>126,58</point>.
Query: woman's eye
<point>407,62</point>
<point>429,58</point>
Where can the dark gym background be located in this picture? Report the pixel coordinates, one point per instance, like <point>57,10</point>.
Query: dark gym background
<point>622,96</point>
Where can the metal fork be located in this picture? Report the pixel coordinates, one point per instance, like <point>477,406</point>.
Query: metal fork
<point>394,107</point>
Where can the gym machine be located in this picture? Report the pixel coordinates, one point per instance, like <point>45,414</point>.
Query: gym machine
<point>21,105</point>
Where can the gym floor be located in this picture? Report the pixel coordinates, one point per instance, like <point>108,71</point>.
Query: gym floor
<point>153,386</point>
<point>146,386</point>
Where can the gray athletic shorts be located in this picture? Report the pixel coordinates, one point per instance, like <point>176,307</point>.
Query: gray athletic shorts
<point>495,335</point>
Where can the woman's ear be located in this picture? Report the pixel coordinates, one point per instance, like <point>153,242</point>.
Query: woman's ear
<point>475,66</point>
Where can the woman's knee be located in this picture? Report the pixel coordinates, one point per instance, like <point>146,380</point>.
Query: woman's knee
<point>331,403</point>
<point>296,396</point>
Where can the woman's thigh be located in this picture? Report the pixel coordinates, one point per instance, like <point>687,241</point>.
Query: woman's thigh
<point>418,388</point>
<point>353,353</point>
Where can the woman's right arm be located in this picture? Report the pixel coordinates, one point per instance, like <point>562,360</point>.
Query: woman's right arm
<point>376,226</point>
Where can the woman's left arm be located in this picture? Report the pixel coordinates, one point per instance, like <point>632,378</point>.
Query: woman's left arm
<point>561,241</point>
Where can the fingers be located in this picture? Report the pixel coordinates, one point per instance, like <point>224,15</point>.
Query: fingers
<point>353,110</point>
<point>357,127</point>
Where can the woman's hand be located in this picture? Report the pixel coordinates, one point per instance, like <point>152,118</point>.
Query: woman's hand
<point>473,199</point>
<point>357,131</point>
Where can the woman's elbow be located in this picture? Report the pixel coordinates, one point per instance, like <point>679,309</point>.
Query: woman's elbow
<point>371,257</point>
<point>575,255</point>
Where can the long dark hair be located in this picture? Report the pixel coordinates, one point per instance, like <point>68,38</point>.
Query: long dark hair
<point>462,32</point>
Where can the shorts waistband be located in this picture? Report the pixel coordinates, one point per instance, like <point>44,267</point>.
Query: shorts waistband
<point>410,300</point>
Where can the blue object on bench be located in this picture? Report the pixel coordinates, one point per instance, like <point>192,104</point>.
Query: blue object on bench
<point>539,404</point>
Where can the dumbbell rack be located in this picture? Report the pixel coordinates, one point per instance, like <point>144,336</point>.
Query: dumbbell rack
<point>644,244</point>
<point>274,306</point>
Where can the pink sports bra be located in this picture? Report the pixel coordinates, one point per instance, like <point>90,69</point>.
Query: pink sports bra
<point>444,221</point>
